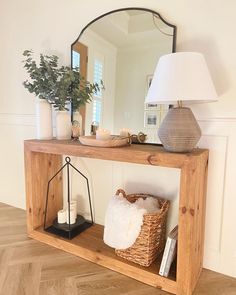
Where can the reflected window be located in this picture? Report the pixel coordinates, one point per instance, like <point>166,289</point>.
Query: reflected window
<point>75,59</point>
<point>98,97</point>
<point>124,47</point>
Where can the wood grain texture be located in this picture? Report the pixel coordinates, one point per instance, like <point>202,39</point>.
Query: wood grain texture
<point>89,245</point>
<point>193,168</point>
<point>22,279</point>
<point>5,257</point>
<point>140,154</point>
<point>191,224</point>
<point>39,169</point>
<point>83,51</point>
<point>30,267</point>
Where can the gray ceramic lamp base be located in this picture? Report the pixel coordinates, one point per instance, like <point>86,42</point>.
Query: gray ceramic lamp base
<point>179,131</point>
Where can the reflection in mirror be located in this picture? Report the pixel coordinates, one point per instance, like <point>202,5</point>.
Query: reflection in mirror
<point>122,49</point>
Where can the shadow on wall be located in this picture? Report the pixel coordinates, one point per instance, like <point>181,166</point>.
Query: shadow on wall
<point>160,191</point>
<point>155,189</point>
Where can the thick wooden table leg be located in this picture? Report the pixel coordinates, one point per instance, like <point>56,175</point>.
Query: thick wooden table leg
<point>191,223</point>
<point>39,168</point>
<point>44,158</point>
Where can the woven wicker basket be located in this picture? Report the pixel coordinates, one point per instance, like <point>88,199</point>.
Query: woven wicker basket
<point>151,240</point>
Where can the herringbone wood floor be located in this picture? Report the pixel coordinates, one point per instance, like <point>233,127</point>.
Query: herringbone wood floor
<point>28,267</point>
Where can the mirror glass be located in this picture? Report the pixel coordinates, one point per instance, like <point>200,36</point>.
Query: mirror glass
<point>122,49</point>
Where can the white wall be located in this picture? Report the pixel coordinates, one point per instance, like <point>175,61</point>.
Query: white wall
<point>51,26</point>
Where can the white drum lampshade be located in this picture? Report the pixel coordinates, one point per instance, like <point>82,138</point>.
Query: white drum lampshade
<point>181,77</point>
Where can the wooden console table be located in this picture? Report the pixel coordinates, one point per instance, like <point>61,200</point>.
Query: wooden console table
<point>44,158</point>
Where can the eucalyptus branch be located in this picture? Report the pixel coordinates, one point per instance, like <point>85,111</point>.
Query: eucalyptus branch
<point>58,85</point>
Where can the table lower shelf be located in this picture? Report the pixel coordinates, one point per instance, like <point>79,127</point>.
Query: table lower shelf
<point>90,246</point>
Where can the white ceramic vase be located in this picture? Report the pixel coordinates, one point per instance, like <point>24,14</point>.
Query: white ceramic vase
<point>63,125</point>
<point>43,119</point>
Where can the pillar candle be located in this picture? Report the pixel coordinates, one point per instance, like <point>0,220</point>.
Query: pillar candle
<point>103,134</point>
<point>73,205</point>
<point>61,216</point>
<point>73,216</point>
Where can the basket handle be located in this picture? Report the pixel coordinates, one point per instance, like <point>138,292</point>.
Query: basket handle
<point>120,191</point>
<point>165,207</point>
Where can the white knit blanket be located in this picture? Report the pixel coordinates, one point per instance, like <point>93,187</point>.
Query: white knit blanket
<point>123,220</point>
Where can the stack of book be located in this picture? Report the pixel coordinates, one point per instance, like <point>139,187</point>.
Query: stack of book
<point>169,252</point>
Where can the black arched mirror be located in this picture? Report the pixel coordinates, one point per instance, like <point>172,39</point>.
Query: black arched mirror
<point>122,48</point>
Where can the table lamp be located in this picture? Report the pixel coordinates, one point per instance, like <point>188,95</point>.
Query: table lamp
<point>181,77</point>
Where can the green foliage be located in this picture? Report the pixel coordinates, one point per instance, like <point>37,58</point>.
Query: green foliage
<point>74,87</point>
<point>58,85</point>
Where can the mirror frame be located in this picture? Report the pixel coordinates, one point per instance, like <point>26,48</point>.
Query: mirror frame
<point>129,8</point>
<point>122,9</point>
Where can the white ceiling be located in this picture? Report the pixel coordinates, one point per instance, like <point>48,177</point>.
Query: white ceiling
<point>129,28</point>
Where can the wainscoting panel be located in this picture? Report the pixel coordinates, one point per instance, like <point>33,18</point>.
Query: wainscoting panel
<point>106,177</point>
<point>10,119</point>
<point>219,135</point>
<point>215,191</point>
<point>14,128</point>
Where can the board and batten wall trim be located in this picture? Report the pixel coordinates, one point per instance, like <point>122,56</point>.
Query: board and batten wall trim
<point>219,135</point>
<point>14,129</point>
<point>17,119</point>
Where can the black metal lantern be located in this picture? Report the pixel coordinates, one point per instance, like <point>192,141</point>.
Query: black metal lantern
<point>68,229</point>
